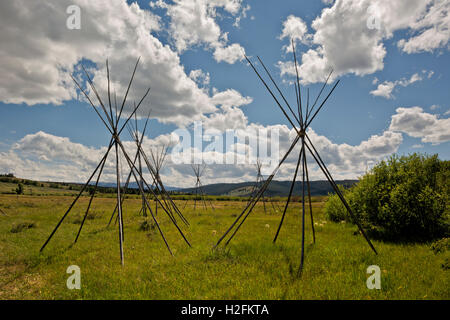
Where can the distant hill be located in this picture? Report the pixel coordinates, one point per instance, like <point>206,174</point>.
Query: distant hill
<point>131,185</point>
<point>8,184</point>
<point>276,188</point>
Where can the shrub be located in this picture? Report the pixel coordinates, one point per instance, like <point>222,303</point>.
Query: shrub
<point>78,219</point>
<point>146,226</point>
<point>334,209</point>
<point>441,245</point>
<point>22,226</point>
<point>403,198</point>
<point>19,189</point>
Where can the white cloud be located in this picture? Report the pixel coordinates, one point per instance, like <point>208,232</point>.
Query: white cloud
<point>194,23</point>
<point>294,28</point>
<point>345,41</point>
<point>419,124</point>
<point>432,29</point>
<point>345,160</point>
<point>229,54</point>
<point>243,15</point>
<point>47,157</point>
<point>40,53</point>
<point>435,107</point>
<point>385,89</point>
<point>429,74</point>
<point>230,97</point>
<point>200,77</point>
<point>231,116</point>
<point>44,156</point>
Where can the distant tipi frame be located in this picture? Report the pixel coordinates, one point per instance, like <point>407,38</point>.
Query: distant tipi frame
<point>134,133</point>
<point>258,184</point>
<point>157,187</point>
<point>300,123</point>
<point>158,158</point>
<point>198,189</point>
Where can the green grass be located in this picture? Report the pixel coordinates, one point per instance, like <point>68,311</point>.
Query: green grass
<point>251,267</point>
<point>41,189</point>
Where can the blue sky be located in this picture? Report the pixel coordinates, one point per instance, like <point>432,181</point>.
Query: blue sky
<point>392,97</point>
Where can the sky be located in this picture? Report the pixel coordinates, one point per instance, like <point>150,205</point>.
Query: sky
<point>391,57</point>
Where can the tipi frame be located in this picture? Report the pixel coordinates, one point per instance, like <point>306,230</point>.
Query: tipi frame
<point>300,124</point>
<point>158,158</point>
<point>157,187</point>
<point>134,132</point>
<point>198,172</point>
<point>259,182</point>
<point>135,136</point>
<point>112,125</point>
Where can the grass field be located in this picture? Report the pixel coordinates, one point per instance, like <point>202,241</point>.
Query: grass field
<point>250,268</point>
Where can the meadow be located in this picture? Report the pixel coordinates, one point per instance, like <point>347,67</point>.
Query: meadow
<point>251,267</point>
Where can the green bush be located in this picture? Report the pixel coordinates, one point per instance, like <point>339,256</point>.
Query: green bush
<point>19,189</point>
<point>334,209</point>
<point>441,245</point>
<point>403,198</point>
<point>146,226</point>
<point>22,226</point>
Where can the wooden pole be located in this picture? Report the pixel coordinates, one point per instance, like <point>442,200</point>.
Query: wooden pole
<point>302,258</point>
<point>119,206</point>
<point>76,199</point>
<point>309,200</point>
<point>338,192</point>
<point>252,204</point>
<point>90,200</point>
<point>289,197</point>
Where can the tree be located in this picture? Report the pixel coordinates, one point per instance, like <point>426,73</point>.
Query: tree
<point>19,189</point>
<point>403,198</point>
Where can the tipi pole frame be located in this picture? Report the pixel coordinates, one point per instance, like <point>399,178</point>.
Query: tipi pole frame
<point>112,127</point>
<point>304,120</point>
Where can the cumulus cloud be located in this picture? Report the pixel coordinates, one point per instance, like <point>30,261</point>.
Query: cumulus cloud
<point>229,116</point>
<point>194,23</point>
<point>40,53</point>
<point>435,107</point>
<point>431,29</point>
<point>200,77</point>
<point>230,98</point>
<point>242,15</point>
<point>419,124</point>
<point>349,36</point>
<point>47,157</point>
<point>346,161</point>
<point>385,88</point>
<point>229,54</point>
<point>295,29</point>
